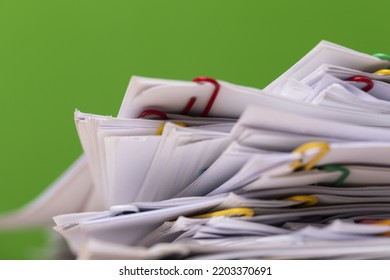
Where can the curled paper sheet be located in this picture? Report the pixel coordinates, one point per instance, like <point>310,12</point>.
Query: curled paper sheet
<point>70,193</point>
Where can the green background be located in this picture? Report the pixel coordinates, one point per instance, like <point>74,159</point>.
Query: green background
<point>56,56</point>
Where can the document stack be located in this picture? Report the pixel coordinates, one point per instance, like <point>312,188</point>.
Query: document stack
<point>206,169</point>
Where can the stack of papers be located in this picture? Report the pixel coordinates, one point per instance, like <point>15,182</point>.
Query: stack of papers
<point>212,170</point>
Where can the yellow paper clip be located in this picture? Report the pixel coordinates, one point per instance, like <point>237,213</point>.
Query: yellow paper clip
<point>232,212</point>
<point>161,128</point>
<point>324,149</point>
<point>308,200</point>
<point>383,72</point>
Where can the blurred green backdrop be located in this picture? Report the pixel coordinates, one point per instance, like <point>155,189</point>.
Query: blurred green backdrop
<point>56,56</point>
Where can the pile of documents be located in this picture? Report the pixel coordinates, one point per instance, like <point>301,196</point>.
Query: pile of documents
<point>212,170</point>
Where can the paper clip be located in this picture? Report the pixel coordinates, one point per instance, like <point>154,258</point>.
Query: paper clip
<point>383,223</point>
<point>157,113</point>
<point>189,105</point>
<point>232,212</point>
<point>191,102</point>
<point>383,72</point>
<point>382,56</point>
<point>217,87</point>
<point>161,128</point>
<point>361,79</point>
<point>368,221</point>
<point>164,116</point>
<point>309,200</point>
<point>324,149</point>
<point>344,173</point>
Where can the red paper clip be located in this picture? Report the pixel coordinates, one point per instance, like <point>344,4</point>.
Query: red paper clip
<point>189,105</point>
<point>160,114</point>
<point>217,86</point>
<point>191,102</point>
<point>367,81</point>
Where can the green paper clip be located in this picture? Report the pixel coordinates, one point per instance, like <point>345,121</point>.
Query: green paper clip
<point>382,56</point>
<point>344,173</point>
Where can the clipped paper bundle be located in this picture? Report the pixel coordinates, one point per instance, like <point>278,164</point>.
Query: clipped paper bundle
<point>212,170</point>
